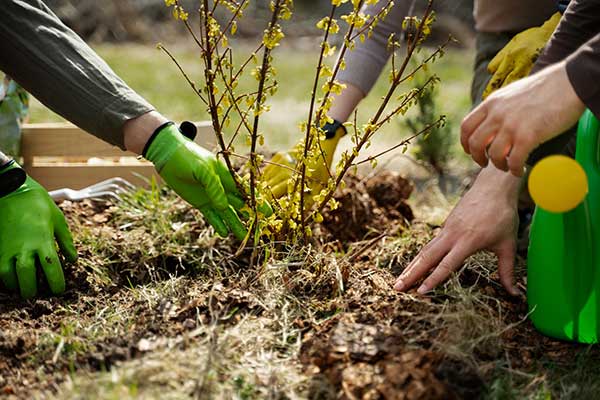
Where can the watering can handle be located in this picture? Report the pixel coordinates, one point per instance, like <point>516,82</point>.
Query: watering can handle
<point>588,147</point>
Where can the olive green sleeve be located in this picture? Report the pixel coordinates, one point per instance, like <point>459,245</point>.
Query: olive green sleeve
<point>54,64</point>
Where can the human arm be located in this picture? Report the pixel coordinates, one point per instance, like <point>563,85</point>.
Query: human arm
<point>516,119</point>
<point>366,61</point>
<point>55,65</point>
<point>58,68</point>
<point>577,42</point>
<point>484,219</point>
<point>363,66</point>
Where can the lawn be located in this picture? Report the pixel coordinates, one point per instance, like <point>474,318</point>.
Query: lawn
<point>159,307</point>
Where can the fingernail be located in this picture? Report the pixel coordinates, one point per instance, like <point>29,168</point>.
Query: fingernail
<point>399,286</point>
<point>422,289</point>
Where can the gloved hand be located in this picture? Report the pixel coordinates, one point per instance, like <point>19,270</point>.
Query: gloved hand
<point>196,175</point>
<point>515,60</point>
<point>277,177</point>
<point>29,223</point>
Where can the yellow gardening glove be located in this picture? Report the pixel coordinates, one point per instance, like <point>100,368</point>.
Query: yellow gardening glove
<point>281,167</point>
<point>515,60</point>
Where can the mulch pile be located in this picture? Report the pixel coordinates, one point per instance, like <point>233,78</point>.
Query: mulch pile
<point>368,208</point>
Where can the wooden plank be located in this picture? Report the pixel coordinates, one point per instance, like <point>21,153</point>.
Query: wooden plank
<point>64,140</point>
<point>206,135</point>
<point>67,140</point>
<point>79,176</point>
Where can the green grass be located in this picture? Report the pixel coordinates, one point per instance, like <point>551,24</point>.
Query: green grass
<point>152,74</point>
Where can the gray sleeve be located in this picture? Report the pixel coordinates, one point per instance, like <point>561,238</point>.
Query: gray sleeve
<point>54,64</point>
<point>365,63</point>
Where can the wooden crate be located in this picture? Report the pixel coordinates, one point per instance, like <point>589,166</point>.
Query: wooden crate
<point>60,155</point>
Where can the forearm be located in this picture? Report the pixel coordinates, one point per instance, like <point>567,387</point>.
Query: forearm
<point>344,104</point>
<point>58,68</point>
<point>507,185</point>
<point>577,26</point>
<point>137,131</point>
<point>4,159</point>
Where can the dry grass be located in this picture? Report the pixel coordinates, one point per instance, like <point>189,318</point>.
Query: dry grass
<point>241,361</point>
<point>157,307</point>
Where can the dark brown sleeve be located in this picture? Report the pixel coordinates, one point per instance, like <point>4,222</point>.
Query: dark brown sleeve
<point>583,69</point>
<point>577,39</point>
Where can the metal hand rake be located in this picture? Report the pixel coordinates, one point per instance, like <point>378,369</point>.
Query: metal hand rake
<point>110,188</point>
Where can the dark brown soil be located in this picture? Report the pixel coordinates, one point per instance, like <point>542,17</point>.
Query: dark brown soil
<point>360,339</point>
<point>369,208</point>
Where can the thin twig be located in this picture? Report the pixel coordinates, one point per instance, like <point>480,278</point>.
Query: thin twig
<point>412,45</point>
<point>402,143</point>
<point>373,19</point>
<point>261,85</point>
<point>211,87</point>
<point>307,140</point>
<point>192,84</point>
<point>239,9</point>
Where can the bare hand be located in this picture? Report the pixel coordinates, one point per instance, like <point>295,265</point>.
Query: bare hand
<point>514,120</point>
<point>485,218</point>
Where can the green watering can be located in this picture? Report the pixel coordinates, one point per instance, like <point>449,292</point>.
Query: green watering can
<point>563,266</point>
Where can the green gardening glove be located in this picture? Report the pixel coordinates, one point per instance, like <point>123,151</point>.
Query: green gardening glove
<point>29,224</point>
<point>198,177</point>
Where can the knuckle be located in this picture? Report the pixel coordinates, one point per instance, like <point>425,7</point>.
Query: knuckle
<point>422,258</point>
<point>523,140</point>
<point>530,140</point>
<point>511,126</point>
<point>443,269</point>
<point>495,152</point>
<point>464,124</point>
<point>497,117</point>
<point>428,246</point>
<point>473,143</point>
<point>492,101</point>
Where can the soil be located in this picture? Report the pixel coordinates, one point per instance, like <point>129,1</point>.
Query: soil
<point>359,339</point>
<point>368,208</point>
